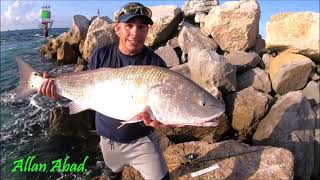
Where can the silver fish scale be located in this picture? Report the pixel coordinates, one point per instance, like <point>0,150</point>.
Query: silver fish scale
<point>75,85</point>
<point>138,75</point>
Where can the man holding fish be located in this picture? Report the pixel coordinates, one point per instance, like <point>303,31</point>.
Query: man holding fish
<point>134,144</point>
<point>137,98</point>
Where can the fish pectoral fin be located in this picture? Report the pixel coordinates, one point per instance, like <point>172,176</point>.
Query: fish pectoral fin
<point>76,108</point>
<point>135,119</point>
<point>139,117</point>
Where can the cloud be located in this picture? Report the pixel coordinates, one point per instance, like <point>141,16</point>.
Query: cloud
<point>21,15</point>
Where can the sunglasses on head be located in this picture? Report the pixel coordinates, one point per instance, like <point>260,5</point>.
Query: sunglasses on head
<point>135,9</point>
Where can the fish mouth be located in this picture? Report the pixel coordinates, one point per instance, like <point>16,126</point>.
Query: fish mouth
<point>210,121</point>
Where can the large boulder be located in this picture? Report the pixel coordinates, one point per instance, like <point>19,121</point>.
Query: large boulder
<point>316,171</point>
<point>243,60</point>
<point>260,45</point>
<point>78,30</point>
<point>182,69</point>
<point>266,59</point>
<point>314,76</point>
<point>45,51</point>
<point>61,123</point>
<point>191,36</point>
<point>257,78</point>
<point>57,42</point>
<point>312,92</point>
<point>209,69</point>
<point>199,18</point>
<point>173,42</point>
<point>290,124</point>
<point>165,21</point>
<point>67,54</point>
<point>232,159</point>
<point>100,33</point>
<point>129,173</point>
<point>289,72</point>
<point>297,32</point>
<point>49,50</point>
<point>234,25</point>
<point>168,54</point>
<point>246,108</point>
<point>191,7</point>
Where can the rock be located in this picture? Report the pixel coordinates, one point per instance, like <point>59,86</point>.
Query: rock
<point>48,56</point>
<point>314,76</point>
<point>130,173</point>
<point>81,46</point>
<point>78,30</point>
<point>106,18</point>
<point>44,49</point>
<point>199,18</point>
<point>184,57</point>
<point>66,54</point>
<point>191,7</point>
<point>100,178</point>
<point>235,161</point>
<point>243,60</point>
<point>165,21</point>
<point>62,123</point>
<point>55,43</point>
<point>163,138</point>
<point>209,69</point>
<point>191,36</point>
<point>312,92</point>
<point>169,136</point>
<point>173,42</point>
<point>290,124</point>
<point>246,108</point>
<point>260,45</point>
<point>49,50</point>
<point>168,54</point>
<point>92,18</point>
<point>62,37</point>
<point>81,65</point>
<point>182,69</point>
<point>317,69</point>
<point>266,59</point>
<point>234,25</point>
<point>289,72</point>
<point>316,169</point>
<point>192,133</point>
<point>257,78</point>
<point>297,32</point>
<point>100,32</point>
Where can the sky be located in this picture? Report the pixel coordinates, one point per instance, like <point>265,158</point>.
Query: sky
<point>25,14</point>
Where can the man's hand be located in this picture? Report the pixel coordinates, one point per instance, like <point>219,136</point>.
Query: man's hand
<point>154,123</point>
<point>48,88</point>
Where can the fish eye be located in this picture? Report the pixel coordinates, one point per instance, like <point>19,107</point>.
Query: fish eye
<point>202,103</point>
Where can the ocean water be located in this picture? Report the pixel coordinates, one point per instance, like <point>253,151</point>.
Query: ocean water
<point>24,124</point>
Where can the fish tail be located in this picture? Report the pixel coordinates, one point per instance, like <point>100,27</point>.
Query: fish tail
<point>25,87</point>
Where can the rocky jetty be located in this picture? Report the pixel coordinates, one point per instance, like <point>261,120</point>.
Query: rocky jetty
<point>270,129</point>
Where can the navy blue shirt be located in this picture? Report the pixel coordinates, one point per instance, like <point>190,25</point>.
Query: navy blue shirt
<point>111,56</point>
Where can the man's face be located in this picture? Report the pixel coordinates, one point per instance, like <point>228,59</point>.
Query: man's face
<point>132,35</point>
